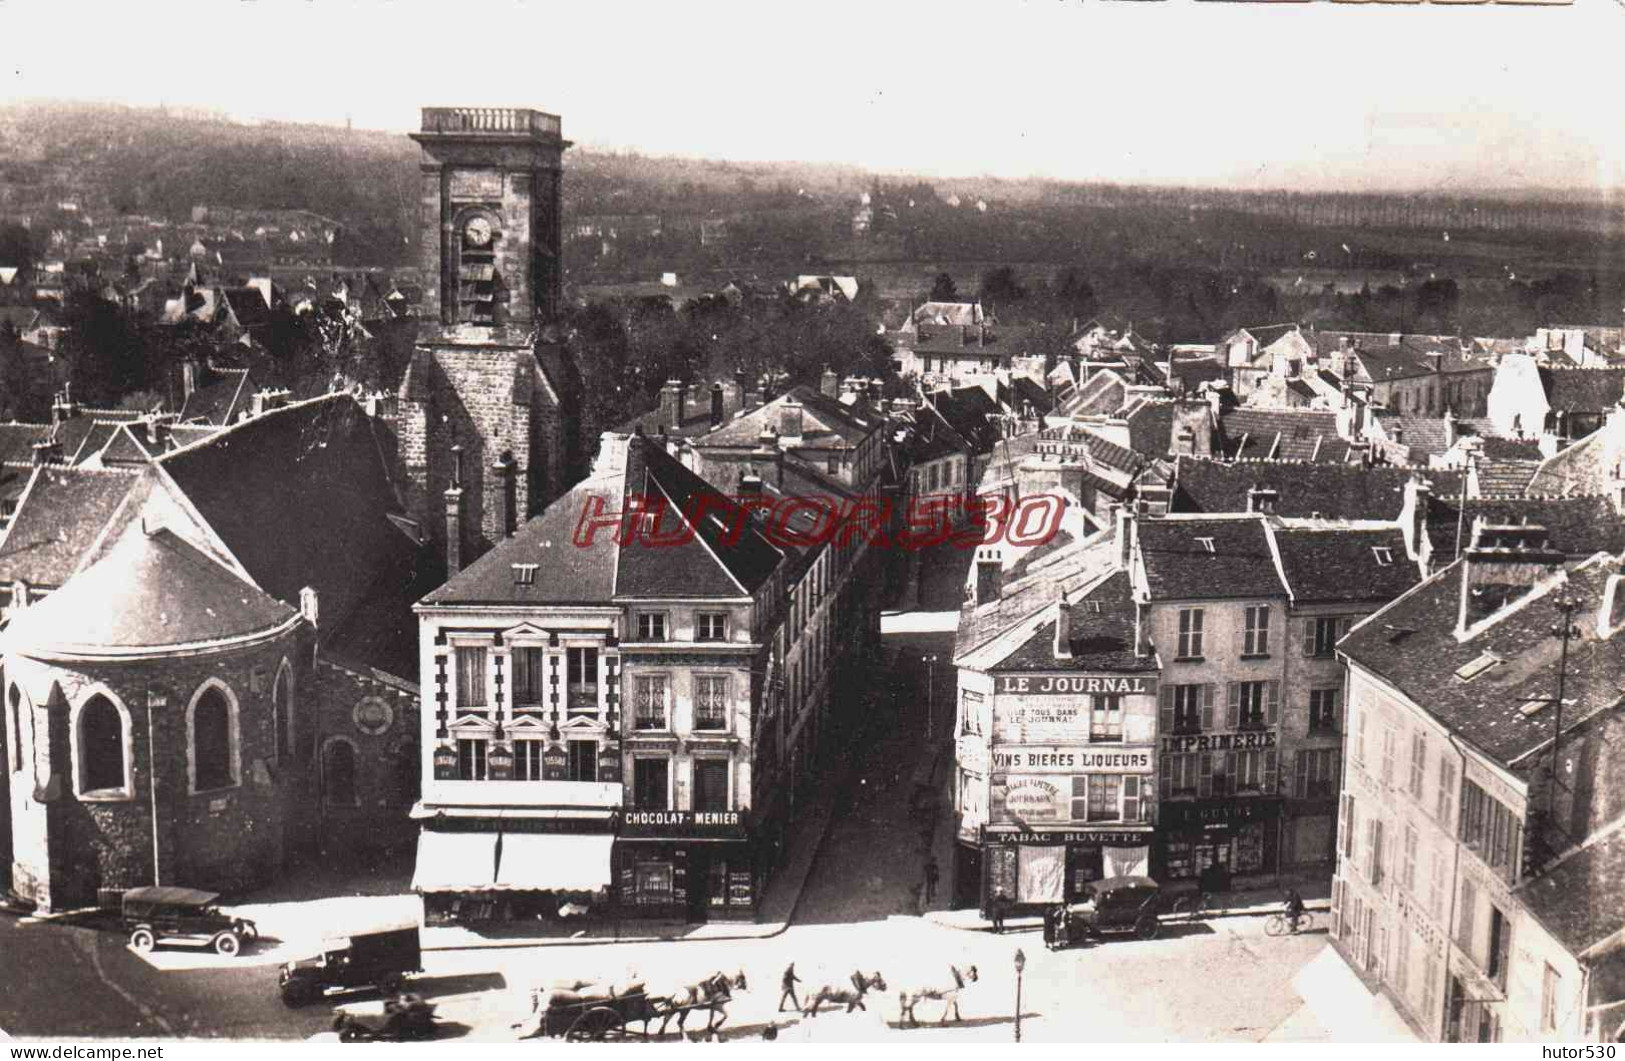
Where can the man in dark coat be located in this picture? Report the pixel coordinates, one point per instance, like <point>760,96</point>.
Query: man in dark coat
<point>788,988</point>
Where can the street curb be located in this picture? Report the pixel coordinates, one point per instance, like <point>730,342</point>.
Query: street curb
<point>767,931</point>
<point>1312,906</point>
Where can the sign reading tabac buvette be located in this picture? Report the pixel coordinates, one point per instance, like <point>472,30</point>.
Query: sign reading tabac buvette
<point>1073,684</point>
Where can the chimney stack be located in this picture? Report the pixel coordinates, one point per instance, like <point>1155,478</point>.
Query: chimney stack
<point>790,423</point>
<point>157,430</point>
<point>1063,628</point>
<point>47,451</point>
<point>188,379</point>
<point>507,494</point>
<point>309,605</point>
<point>718,402</point>
<point>454,515</point>
<point>742,388</point>
<point>989,576</point>
<point>1501,564</point>
<point>671,404</point>
<point>1125,537</point>
<point>829,384</point>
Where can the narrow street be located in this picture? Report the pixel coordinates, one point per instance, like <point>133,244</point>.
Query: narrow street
<point>860,910</point>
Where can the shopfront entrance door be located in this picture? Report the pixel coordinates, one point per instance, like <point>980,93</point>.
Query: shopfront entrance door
<point>1213,860</point>
<point>699,884</point>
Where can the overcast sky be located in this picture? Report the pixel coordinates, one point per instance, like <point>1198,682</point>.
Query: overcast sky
<point>1309,95</point>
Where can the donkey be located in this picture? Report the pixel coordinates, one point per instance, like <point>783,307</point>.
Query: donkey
<point>850,997</point>
<point>948,996</point>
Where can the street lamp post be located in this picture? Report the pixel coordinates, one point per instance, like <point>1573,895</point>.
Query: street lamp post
<point>930,696</point>
<point>1021,963</point>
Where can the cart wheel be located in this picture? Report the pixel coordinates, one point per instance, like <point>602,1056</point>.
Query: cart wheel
<point>142,940</point>
<point>596,1025</point>
<point>1147,926</point>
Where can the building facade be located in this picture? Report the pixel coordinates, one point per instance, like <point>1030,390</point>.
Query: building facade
<point>597,680</point>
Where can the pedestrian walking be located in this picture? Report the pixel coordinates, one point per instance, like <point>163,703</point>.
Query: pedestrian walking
<point>998,914</point>
<point>788,988</point>
<point>931,878</point>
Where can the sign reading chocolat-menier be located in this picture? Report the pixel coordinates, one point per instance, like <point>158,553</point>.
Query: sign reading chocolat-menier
<point>722,824</point>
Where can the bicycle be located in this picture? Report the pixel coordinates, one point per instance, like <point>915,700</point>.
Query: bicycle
<point>1278,924</point>
<point>1189,908</point>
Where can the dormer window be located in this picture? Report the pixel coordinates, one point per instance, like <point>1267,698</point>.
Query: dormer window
<point>1478,666</point>
<point>1206,543</point>
<point>524,574</point>
<point>1384,555</point>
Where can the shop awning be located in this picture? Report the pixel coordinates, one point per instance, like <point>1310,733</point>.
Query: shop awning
<point>455,862</point>
<point>555,862</point>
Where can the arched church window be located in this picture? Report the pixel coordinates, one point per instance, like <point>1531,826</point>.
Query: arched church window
<point>101,746</point>
<point>282,712</point>
<point>213,752</point>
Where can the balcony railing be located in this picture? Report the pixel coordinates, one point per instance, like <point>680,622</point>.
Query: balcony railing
<point>498,120</point>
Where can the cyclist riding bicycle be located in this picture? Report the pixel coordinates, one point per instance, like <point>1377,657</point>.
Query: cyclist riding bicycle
<point>1294,908</point>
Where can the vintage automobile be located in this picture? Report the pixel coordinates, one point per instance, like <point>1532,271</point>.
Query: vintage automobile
<point>381,959</point>
<point>1115,906</point>
<point>407,1018</point>
<point>182,915</point>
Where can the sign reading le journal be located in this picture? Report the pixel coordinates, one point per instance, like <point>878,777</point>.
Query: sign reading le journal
<point>1074,684</point>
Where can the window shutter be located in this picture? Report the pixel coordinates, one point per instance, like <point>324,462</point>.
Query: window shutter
<point>1232,711</point>
<point>1337,906</point>
<point>1131,798</point>
<point>1300,784</point>
<point>1167,708</point>
<point>1272,771</point>
<point>1351,835</point>
<point>1273,711</point>
<point>1165,780</point>
<point>1230,771</point>
<point>1309,637</point>
<point>1204,784</point>
<point>1207,707</point>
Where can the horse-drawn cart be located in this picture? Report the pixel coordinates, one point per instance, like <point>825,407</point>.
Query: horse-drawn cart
<point>584,1012</point>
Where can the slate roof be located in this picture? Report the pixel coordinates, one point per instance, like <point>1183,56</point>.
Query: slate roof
<point>970,410</point>
<point>933,437</point>
<point>1028,390</point>
<point>1412,644</point>
<point>1100,449</point>
<point>61,515</point>
<point>149,590</point>
<point>1578,526</point>
<point>1386,363</point>
<point>1333,491</point>
<point>1151,428</point>
<point>1268,335</point>
<point>949,313</point>
<point>1178,566</point>
<point>1430,434</point>
<point>695,417</point>
<point>1102,640</point>
<point>707,566</point>
<point>1577,899</point>
<point>301,497</point>
<point>1505,478</point>
<point>1583,390</point>
<point>1102,394</point>
<point>1042,584</point>
<point>17,440</point>
<point>248,306</point>
<point>825,423</point>
<point>218,403</point>
<point>972,341</point>
<point>1340,565</point>
<point>1282,434</point>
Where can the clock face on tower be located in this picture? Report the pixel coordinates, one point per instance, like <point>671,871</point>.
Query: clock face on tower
<point>477,232</point>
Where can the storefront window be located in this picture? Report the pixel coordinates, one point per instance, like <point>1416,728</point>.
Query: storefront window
<point>652,883</point>
<point>1250,849</point>
<point>717,883</point>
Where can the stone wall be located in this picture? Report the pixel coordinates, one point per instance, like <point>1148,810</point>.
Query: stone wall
<point>228,839</point>
<point>378,717</point>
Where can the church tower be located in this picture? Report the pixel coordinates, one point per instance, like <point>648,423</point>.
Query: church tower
<point>482,424</point>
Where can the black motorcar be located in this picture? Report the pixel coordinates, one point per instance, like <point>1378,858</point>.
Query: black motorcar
<point>182,915</point>
<point>381,959</point>
<point>1115,906</point>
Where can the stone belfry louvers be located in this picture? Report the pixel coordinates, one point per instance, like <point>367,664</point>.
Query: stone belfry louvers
<point>491,231</point>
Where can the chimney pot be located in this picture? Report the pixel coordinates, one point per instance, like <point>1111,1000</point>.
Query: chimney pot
<point>718,401</point>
